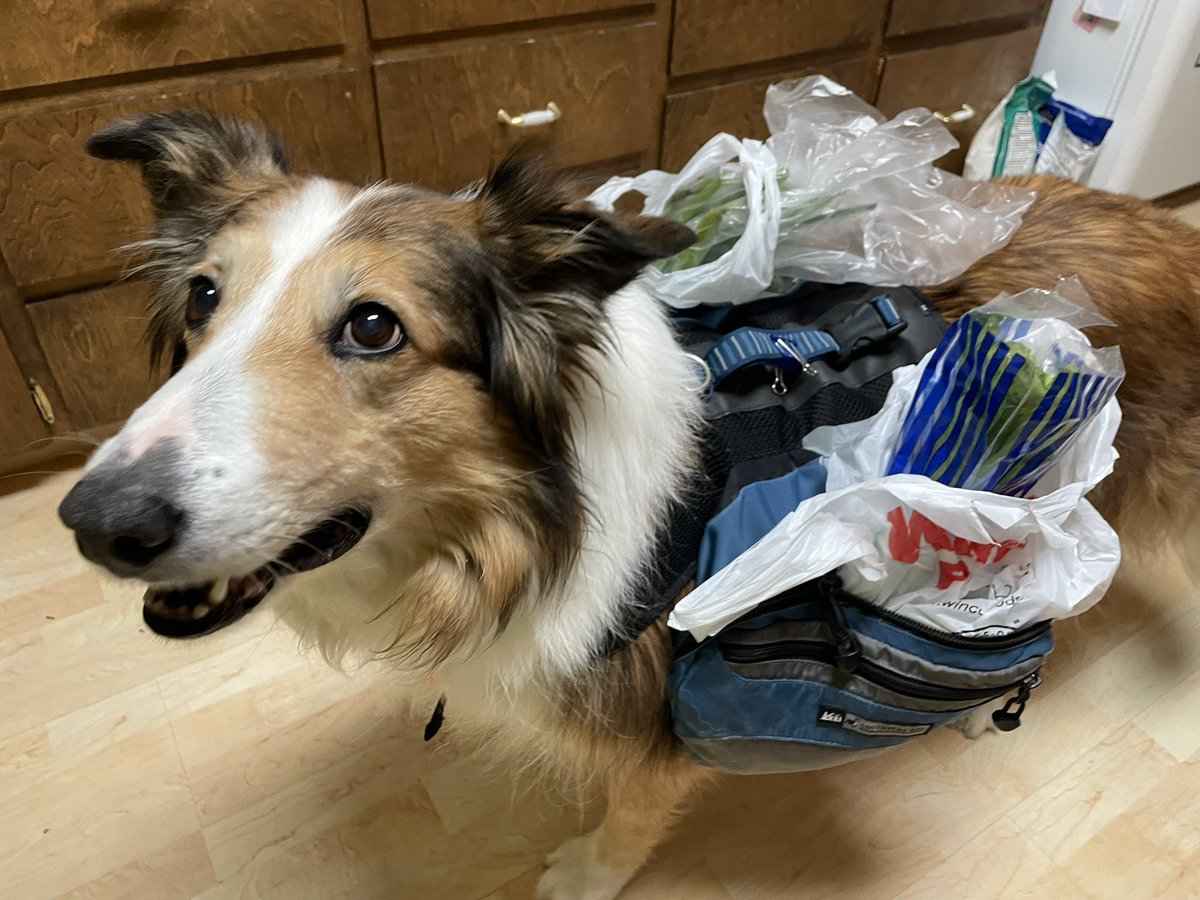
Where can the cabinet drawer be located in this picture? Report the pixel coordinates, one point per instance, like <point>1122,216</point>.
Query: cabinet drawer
<point>438,114</point>
<point>391,18</point>
<point>978,73</point>
<point>94,345</point>
<point>717,34</point>
<point>20,424</point>
<point>62,213</point>
<point>911,16</point>
<point>692,117</point>
<point>47,41</point>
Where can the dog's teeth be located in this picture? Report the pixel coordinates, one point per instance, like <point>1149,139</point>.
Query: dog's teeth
<point>200,610</point>
<point>219,591</point>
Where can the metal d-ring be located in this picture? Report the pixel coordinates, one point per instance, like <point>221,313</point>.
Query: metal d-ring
<point>703,366</point>
<point>791,351</point>
<point>778,387</point>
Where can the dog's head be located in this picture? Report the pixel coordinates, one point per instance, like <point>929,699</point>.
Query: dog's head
<point>352,360</point>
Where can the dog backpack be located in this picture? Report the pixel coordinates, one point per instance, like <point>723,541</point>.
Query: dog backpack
<point>815,676</point>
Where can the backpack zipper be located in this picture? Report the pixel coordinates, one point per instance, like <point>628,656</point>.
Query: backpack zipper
<point>849,650</point>
<point>1009,717</point>
<point>817,651</point>
<point>831,591</point>
<point>830,587</point>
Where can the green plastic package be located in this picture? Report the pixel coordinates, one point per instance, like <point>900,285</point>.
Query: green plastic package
<point>1016,152</point>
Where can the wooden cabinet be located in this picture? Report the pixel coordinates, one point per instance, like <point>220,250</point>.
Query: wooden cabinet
<point>94,345</point>
<point>976,72</point>
<point>939,54</point>
<point>20,424</point>
<point>692,117</point>
<point>407,18</point>
<point>54,41</point>
<point>439,113</point>
<point>63,214</point>
<point>412,90</point>
<point>719,34</point>
<point>913,16</point>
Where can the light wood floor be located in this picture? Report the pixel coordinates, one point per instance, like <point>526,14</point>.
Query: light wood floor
<point>234,766</point>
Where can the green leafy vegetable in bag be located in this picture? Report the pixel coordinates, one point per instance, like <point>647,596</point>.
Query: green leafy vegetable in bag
<point>717,210</point>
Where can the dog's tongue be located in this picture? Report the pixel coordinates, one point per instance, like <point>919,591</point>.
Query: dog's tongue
<point>201,609</point>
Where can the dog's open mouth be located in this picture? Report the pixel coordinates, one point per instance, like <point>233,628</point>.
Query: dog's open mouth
<point>183,612</point>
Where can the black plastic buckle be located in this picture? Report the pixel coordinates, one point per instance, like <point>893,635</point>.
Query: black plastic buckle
<point>862,331</point>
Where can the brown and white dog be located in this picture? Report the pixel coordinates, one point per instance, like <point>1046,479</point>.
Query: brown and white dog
<point>445,429</point>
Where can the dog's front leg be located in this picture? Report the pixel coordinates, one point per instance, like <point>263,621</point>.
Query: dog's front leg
<point>642,805</point>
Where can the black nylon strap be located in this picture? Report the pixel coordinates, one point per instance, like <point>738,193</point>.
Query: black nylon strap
<point>753,433</point>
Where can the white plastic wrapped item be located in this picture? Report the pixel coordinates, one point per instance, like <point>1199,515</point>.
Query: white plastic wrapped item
<point>968,562</point>
<point>981,155</point>
<point>1073,142</point>
<point>1008,388</point>
<point>836,194</point>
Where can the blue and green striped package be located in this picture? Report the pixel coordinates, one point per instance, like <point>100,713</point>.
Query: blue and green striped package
<point>1004,394</point>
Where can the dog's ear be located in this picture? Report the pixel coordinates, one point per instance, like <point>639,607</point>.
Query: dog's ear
<point>556,258</point>
<point>192,159</point>
<point>200,168</point>
<point>551,240</point>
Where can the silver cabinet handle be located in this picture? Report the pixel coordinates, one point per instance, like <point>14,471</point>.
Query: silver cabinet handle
<point>961,115</point>
<point>537,117</point>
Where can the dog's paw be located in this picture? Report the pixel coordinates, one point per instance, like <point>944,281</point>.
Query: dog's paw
<point>574,872</point>
<point>976,723</point>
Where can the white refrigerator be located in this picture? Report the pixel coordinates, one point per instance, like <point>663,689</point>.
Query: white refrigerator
<point>1143,72</point>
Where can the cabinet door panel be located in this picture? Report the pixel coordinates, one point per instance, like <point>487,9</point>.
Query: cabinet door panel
<point>438,114</point>
<point>20,424</point>
<point>93,344</point>
<point>718,34</point>
<point>404,18</point>
<point>912,16</point>
<point>50,41</point>
<point>692,117</point>
<point>978,73</point>
<point>62,213</point>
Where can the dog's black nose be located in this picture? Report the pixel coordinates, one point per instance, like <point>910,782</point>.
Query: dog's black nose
<point>120,521</point>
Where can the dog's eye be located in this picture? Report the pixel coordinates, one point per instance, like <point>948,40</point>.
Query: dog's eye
<point>203,297</point>
<point>371,328</point>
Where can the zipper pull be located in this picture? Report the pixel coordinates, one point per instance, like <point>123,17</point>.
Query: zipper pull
<point>849,651</point>
<point>1009,718</point>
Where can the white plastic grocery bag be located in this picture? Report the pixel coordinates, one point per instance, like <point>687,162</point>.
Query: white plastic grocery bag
<point>967,562</point>
<point>746,270</point>
<point>838,193</point>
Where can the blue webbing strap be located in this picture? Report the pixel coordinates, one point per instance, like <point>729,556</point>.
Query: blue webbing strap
<point>887,310</point>
<point>758,346</point>
<point>765,346</point>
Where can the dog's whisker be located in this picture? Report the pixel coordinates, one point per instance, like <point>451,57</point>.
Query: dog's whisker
<point>81,437</point>
<point>46,443</point>
<point>257,644</point>
<point>31,473</point>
